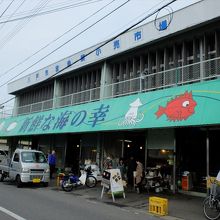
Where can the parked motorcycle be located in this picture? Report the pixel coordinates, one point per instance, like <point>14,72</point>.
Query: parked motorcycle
<point>70,181</point>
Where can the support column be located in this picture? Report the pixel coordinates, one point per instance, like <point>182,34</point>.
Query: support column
<point>15,108</point>
<point>165,80</point>
<point>149,81</point>
<point>202,64</point>
<point>205,48</point>
<point>175,63</point>
<point>217,43</point>
<point>184,61</point>
<point>106,77</point>
<point>157,77</point>
<point>56,93</point>
<point>216,51</point>
<point>121,78</point>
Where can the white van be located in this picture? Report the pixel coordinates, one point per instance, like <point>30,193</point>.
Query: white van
<point>25,166</point>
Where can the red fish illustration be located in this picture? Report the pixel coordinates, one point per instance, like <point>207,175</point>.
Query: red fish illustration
<point>179,108</point>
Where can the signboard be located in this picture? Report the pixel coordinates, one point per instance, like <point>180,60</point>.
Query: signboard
<point>106,179</point>
<point>189,105</point>
<point>112,181</point>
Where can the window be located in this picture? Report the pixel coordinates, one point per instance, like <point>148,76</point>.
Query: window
<point>2,153</point>
<point>33,157</point>
<point>16,158</point>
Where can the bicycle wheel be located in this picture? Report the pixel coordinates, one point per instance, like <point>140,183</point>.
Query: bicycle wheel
<point>211,208</point>
<point>91,181</point>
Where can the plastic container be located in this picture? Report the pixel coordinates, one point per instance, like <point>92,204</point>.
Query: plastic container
<point>158,205</point>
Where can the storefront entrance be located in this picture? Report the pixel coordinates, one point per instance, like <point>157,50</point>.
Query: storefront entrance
<point>73,153</point>
<point>134,145</point>
<point>191,157</point>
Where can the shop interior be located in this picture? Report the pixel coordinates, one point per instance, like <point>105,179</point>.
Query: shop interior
<point>73,153</point>
<point>191,158</point>
<point>134,145</point>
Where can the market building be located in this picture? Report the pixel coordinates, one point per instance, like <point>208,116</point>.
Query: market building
<point>152,92</point>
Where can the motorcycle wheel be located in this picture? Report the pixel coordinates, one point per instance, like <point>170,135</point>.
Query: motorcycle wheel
<point>66,186</point>
<point>91,181</point>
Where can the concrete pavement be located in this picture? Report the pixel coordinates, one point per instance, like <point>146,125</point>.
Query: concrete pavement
<point>181,206</point>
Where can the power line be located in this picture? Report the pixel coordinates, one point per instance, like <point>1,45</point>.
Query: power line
<point>113,38</point>
<point>21,25</point>
<point>14,12</point>
<point>102,45</point>
<point>138,17</point>
<point>47,45</point>
<point>66,42</point>
<point>7,101</point>
<point>54,7</point>
<point>51,11</point>
<point>7,8</point>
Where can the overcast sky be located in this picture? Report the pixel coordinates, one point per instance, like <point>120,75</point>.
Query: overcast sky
<point>21,38</point>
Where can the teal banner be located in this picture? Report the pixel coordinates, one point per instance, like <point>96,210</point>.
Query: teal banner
<point>193,104</point>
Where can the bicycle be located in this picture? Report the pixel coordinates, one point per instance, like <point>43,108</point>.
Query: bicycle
<point>211,204</point>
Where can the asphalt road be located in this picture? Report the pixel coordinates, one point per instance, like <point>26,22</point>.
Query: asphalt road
<point>39,203</point>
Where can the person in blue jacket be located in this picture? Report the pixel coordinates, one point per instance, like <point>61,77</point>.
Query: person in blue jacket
<point>52,163</point>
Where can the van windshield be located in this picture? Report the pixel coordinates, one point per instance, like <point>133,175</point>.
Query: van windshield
<point>33,157</point>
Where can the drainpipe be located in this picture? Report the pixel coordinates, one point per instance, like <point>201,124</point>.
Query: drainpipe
<point>174,165</point>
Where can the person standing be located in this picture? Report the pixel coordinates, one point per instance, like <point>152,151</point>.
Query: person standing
<point>139,175</point>
<point>121,167</point>
<point>107,164</point>
<point>130,171</point>
<point>52,163</point>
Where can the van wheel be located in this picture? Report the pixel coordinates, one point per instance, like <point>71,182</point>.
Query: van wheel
<point>18,181</point>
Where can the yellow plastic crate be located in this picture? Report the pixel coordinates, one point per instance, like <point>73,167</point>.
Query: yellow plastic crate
<point>158,205</point>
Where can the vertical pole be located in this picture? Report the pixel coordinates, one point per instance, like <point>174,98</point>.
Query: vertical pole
<point>207,152</point>
<point>174,164</point>
<point>80,151</point>
<point>98,149</point>
<point>140,82</point>
<point>145,156</point>
<point>65,150</point>
<point>207,156</point>
<point>122,147</point>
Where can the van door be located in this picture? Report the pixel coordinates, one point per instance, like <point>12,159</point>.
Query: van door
<point>15,166</point>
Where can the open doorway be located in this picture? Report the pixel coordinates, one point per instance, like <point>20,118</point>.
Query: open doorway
<point>191,156</point>
<point>134,145</point>
<point>73,153</point>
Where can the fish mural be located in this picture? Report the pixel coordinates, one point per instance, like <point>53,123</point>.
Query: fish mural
<point>178,109</point>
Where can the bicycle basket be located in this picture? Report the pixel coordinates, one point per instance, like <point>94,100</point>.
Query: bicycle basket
<point>213,189</point>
